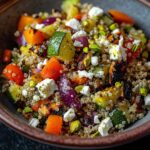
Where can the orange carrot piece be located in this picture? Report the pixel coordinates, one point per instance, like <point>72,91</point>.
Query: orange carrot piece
<point>52,69</point>
<point>7,56</point>
<point>14,73</point>
<point>121,17</point>
<point>27,20</point>
<point>33,37</point>
<point>54,124</point>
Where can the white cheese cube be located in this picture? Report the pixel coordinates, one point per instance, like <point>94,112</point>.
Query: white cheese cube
<point>104,126</point>
<point>77,44</point>
<point>79,34</point>
<point>136,42</point>
<point>46,87</point>
<point>99,74</point>
<point>96,119</point>
<point>34,122</point>
<point>114,52</point>
<point>85,74</point>
<point>147,100</point>
<point>69,115</point>
<point>36,98</point>
<point>94,60</point>
<point>39,26</point>
<point>95,12</point>
<point>74,24</point>
<point>103,41</point>
<point>116,31</point>
<point>40,65</point>
<point>85,90</point>
<point>24,93</point>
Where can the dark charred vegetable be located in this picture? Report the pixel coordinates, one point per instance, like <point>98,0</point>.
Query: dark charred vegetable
<point>117,73</point>
<point>127,90</point>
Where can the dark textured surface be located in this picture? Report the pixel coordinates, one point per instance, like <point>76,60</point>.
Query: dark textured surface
<point>10,140</point>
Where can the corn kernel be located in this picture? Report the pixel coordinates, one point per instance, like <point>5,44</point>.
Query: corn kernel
<point>118,84</point>
<point>143,91</point>
<point>85,49</point>
<point>32,84</point>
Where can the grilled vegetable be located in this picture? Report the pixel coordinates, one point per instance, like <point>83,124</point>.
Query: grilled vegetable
<point>48,30</point>
<point>33,37</point>
<point>107,97</point>
<point>67,93</point>
<point>70,8</point>
<point>120,16</point>
<point>27,20</point>
<point>52,69</point>
<point>61,45</point>
<point>15,92</point>
<point>118,117</point>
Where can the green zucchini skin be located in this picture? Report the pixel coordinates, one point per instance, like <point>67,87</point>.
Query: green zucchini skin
<point>55,43</point>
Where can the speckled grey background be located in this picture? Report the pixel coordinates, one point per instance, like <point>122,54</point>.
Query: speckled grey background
<point>9,140</point>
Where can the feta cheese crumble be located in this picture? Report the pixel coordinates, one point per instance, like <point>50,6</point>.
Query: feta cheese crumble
<point>74,24</point>
<point>46,87</point>
<point>34,122</point>
<point>102,41</point>
<point>104,126</point>
<point>77,44</point>
<point>85,74</point>
<point>96,119</point>
<point>94,60</point>
<point>36,98</point>
<point>85,90</point>
<point>24,93</point>
<point>40,65</point>
<point>99,74</point>
<point>117,52</point>
<point>136,42</point>
<point>95,12</point>
<point>39,26</point>
<point>69,115</point>
<point>79,34</point>
<point>116,31</point>
<point>147,100</point>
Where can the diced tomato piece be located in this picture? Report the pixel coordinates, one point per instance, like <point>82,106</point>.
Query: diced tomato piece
<point>14,73</point>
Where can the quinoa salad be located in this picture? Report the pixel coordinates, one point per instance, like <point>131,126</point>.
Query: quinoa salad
<point>78,71</point>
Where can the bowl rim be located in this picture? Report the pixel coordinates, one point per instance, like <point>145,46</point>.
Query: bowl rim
<point>71,141</point>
